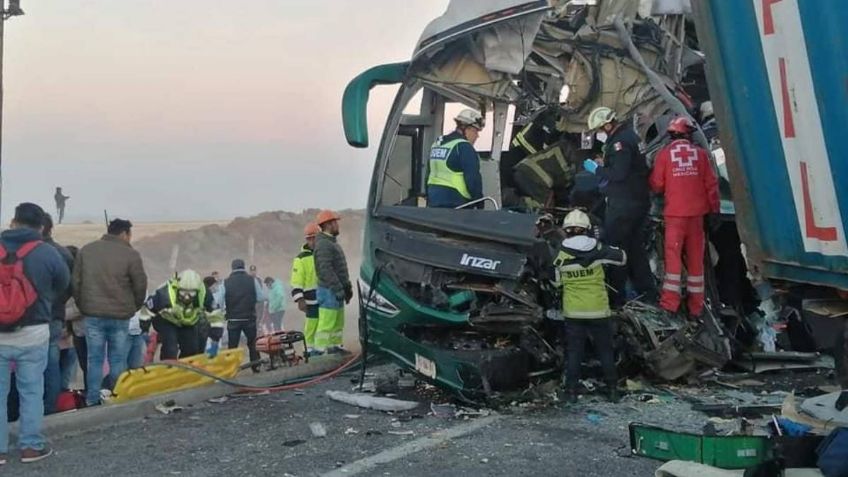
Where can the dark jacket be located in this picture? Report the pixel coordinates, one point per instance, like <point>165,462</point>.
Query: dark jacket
<point>58,311</point>
<point>626,170</point>
<point>109,279</point>
<point>46,270</point>
<point>462,159</point>
<point>331,265</point>
<point>240,296</point>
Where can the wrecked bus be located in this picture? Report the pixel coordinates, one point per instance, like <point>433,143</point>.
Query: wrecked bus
<point>463,296</point>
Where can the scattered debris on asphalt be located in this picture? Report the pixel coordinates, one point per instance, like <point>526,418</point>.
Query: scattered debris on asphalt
<point>318,429</point>
<point>372,402</point>
<point>168,407</point>
<point>401,433</point>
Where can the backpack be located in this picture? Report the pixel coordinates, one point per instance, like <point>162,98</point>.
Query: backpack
<point>17,293</point>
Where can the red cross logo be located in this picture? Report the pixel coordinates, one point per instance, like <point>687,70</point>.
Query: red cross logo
<point>684,155</point>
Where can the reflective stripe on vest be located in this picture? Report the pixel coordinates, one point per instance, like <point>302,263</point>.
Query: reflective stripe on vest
<point>584,294</point>
<point>179,315</point>
<point>521,141</point>
<point>534,163</point>
<point>441,174</point>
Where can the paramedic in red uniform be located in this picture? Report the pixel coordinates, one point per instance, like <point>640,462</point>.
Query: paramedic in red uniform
<point>684,176</point>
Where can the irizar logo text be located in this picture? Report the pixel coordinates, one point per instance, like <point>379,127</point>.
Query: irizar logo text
<point>479,262</point>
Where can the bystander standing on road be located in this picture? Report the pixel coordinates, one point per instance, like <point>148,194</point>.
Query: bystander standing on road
<point>276,303</point>
<point>241,294</point>
<point>334,286</point>
<point>31,281</point>
<point>53,373</point>
<point>109,286</point>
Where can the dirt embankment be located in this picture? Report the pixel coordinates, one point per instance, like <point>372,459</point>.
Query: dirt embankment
<point>269,240</point>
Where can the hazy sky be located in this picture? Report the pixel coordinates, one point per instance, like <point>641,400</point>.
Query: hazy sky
<point>194,109</point>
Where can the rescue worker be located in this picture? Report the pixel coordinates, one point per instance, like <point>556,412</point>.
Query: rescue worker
<point>304,284</point>
<point>178,305</point>
<point>625,170</point>
<point>684,176</point>
<point>334,287</point>
<point>545,178</point>
<point>454,164</point>
<point>537,134</point>
<point>585,304</point>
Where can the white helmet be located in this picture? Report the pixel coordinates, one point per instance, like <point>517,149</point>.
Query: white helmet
<point>707,110</point>
<point>190,280</point>
<point>577,218</point>
<point>600,116</point>
<point>470,117</point>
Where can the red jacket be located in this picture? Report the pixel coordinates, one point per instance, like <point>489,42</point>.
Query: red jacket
<point>683,174</point>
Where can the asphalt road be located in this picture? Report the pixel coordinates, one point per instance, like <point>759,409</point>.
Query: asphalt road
<point>270,435</point>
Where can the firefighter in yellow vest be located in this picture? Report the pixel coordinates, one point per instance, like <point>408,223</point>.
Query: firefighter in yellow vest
<point>304,285</point>
<point>585,305</point>
<point>454,177</point>
<point>178,306</point>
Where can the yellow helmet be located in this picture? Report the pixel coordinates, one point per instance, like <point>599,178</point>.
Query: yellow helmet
<point>600,116</point>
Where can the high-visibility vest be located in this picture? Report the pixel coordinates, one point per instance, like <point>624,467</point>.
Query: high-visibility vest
<point>441,174</point>
<point>304,278</point>
<point>180,315</point>
<point>584,295</point>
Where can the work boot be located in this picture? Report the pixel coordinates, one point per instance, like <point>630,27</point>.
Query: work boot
<point>612,392</point>
<point>571,395</point>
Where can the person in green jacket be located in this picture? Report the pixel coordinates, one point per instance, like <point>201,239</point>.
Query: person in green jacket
<point>276,302</point>
<point>585,304</point>
<point>304,285</point>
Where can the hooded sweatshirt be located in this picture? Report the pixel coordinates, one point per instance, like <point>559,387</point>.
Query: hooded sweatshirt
<point>49,275</point>
<point>580,273</point>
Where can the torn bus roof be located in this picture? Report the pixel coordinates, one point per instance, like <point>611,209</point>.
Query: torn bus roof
<point>575,47</point>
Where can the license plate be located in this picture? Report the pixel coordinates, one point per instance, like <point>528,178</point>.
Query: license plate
<point>425,366</point>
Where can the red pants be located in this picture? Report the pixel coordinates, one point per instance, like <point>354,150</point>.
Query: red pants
<point>684,235</point>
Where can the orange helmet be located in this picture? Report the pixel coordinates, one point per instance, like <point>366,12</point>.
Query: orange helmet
<point>326,216</point>
<point>311,230</point>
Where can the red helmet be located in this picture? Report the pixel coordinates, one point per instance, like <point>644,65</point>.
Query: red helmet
<point>680,125</point>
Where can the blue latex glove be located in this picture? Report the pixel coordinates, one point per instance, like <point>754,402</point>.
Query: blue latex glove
<point>590,166</point>
<point>212,350</point>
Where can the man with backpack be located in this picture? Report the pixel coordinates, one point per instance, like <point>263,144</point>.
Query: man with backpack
<point>32,275</point>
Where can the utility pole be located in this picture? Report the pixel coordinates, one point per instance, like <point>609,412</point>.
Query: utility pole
<point>13,10</point>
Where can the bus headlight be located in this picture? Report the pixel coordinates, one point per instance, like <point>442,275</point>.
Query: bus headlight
<point>375,301</point>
